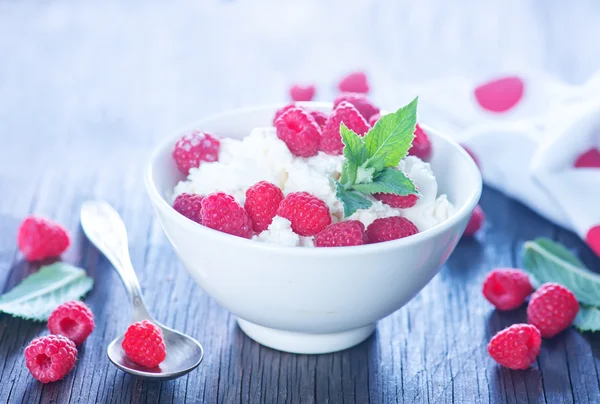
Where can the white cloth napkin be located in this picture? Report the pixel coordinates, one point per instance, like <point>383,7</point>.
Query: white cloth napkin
<point>527,147</point>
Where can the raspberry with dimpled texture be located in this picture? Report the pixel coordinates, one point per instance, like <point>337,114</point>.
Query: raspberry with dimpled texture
<point>390,228</point>
<point>144,344</point>
<point>73,320</point>
<point>39,238</point>
<point>373,119</point>
<point>475,222</point>
<point>421,145</point>
<point>194,148</point>
<point>355,82</point>
<point>552,308</point>
<point>190,206</point>
<point>320,118</point>
<point>302,93</point>
<point>299,132</point>
<point>342,234</point>
<point>516,347</point>
<point>283,110</point>
<point>308,214</point>
<point>397,201</point>
<point>221,212</point>
<point>507,288</point>
<point>360,102</point>
<point>331,140</point>
<point>262,202</point>
<point>50,358</point>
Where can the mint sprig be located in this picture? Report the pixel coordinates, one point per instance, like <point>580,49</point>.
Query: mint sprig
<point>370,161</point>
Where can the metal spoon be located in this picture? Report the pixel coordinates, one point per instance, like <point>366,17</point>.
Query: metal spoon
<point>104,227</point>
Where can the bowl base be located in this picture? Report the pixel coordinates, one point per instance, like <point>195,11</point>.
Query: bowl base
<point>301,343</point>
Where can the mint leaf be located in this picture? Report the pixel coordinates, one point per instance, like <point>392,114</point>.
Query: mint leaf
<point>349,172</point>
<point>41,292</point>
<point>389,181</point>
<point>391,137</point>
<point>548,261</point>
<point>355,150</point>
<point>351,200</point>
<point>588,319</point>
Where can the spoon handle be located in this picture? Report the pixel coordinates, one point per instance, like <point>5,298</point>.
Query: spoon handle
<point>105,228</point>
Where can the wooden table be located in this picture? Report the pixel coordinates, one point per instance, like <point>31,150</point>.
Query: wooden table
<point>86,90</point>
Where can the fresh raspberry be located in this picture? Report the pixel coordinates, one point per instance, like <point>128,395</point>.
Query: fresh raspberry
<point>355,83</point>
<point>341,234</point>
<point>360,102</point>
<point>319,117</point>
<point>221,212</point>
<point>516,347</point>
<point>143,343</point>
<point>283,110</point>
<point>421,146</point>
<point>373,119</point>
<point>194,148</point>
<point>190,206</point>
<point>72,319</point>
<point>552,308</point>
<point>50,358</point>
<point>390,228</point>
<point>507,288</point>
<point>397,201</point>
<point>475,222</point>
<point>302,93</point>
<point>299,131</point>
<point>262,202</point>
<point>331,140</point>
<point>39,238</point>
<point>308,214</point>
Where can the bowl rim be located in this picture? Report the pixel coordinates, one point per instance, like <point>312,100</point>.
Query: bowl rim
<point>160,202</point>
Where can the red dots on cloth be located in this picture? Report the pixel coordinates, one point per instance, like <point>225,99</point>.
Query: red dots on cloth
<point>592,238</point>
<point>588,159</point>
<point>501,94</point>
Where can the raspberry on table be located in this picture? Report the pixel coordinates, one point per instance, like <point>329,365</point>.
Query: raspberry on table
<point>73,320</point>
<point>302,93</point>
<point>390,228</point>
<point>552,308</point>
<point>355,82</point>
<point>331,139</point>
<point>373,119</point>
<point>507,288</point>
<point>320,118</point>
<point>222,212</point>
<point>262,202</point>
<point>342,234</point>
<point>194,148</point>
<point>421,145</point>
<point>39,238</point>
<point>308,214</point>
<point>50,358</point>
<point>143,343</point>
<point>299,132</point>
<point>360,102</point>
<point>397,201</point>
<point>190,206</point>
<point>516,347</point>
<point>475,222</point>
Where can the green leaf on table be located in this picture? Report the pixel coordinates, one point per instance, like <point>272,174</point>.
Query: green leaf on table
<point>389,181</point>
<point>41,292</point>
<point>351,200</point>
<point>588,319</point>
<point>548,261</point>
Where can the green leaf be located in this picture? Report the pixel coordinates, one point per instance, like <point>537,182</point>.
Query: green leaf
<point>349,172</point>
<point>355,150</point>
<point>559,250</point>
<point>547,263</point>
<point>392,135</point>
<point>352,201</point>
<point>389,181</point>
<point>41,292</point>
<point>588,319</point>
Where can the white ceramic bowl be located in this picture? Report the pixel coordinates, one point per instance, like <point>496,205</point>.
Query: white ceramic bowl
<point>310,300</point>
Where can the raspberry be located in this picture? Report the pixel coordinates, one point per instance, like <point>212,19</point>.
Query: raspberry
<point>331,140</point>
<point>302,93</point>
<point>390,228</point>
<point>507,288</point>
<point>373,119</point>
<point>299,131</point>
<point>397,201</point>
<point>39,238</point>
<point>190,206</point>
<point>283,110</point>
<point>143,343</point>
<point>589,159</point>
<point>475,222</point>
<point>552,308</point>
<point>221,212</point>
<point>50,358</point>
<point>262,201</point>
<point>516,347</point>
<point>360,102</point>
<point>354,82</point>
<point>319,117</point>
<point>341,234</point>
<point>72,319</point>
<point>308,214</point>
<point>421,146</point>
<point>194,148</point>
<point>501,94</point>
